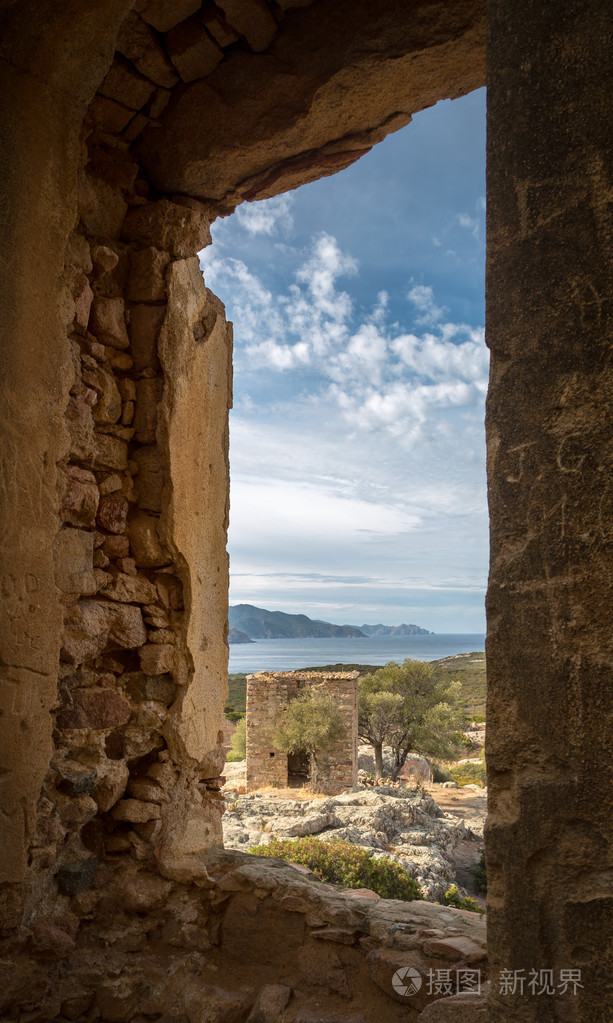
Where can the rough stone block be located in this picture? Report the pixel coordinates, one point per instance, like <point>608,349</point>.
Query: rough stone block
<point>181,230</point>
<point>80,499</point>
<point>104,258</point>
<point>218,27</point>
<point>95,708</point>
<point>150,480</point>
<point>456,947</point>
<point>138,42</point>
<point>112,513</point>
<point>145,324</point>
<point>51,941</point>
<point>110,116</point>
<point>148,396</point>
<point>251,19</point>
<point>160,688</point>
<point>107,322</point>
<point>83,297</point>
<point>73,554</point>
<point>192,51</point>
<point>110,485</point>
<point>145,541</point>
<point>127,628</point>
<point>270,1003</point>
<point>112,785</point>
<point>78,253</point>
<point>147,280</point>
<point>75,877</point>
<point>465,1007</point>
<point>125,86</point>
<point>75,782</point>
<point>136,811</point>
<point>102,208</point>
<point>116,546</point>
<point>164,16</point>
<point>108,406</point>
<point>132,589</point>
<point>110,453</point>
<point>80,422</point>
<point>146,790</point>
<point>87,634</point>
<point>156,658</point>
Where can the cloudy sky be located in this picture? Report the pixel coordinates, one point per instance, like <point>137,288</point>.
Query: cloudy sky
<point>357,446</point>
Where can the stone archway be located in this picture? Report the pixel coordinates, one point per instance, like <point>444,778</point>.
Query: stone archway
<point>129,131</point>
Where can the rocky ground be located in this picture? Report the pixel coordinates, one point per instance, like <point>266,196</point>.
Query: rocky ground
<point>436,843</point>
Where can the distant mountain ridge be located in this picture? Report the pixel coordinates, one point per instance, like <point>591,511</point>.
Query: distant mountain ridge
<point>395,630</point>
<point>258,623</point>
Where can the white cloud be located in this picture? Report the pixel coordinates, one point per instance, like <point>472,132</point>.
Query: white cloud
<point>422,297</point>
<point>268,216</point>
<point>469,223</point>
<point>377,377</point>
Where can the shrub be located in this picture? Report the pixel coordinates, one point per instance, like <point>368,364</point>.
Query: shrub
<point>234,757</point>
<point>469,774</point>
<point>452,898</point>
<point>345,864</point>
<point>238,743</point>
<point>440,774</point>
<point>481,875</point>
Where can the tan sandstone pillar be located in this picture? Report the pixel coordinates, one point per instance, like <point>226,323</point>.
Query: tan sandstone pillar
<point>550,450</point>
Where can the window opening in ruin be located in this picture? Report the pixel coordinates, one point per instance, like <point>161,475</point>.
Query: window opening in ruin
<point>357,443</point>
<point>298,769</point>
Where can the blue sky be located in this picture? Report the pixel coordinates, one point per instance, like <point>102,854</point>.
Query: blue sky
<point>357,449</point>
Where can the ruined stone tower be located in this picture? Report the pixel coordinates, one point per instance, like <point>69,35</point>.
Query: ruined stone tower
<point>268,694</point>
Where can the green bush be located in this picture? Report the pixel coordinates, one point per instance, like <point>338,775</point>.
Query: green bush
<point>238,743</point>
<point>440,774</point>
<point>452,898</point>
<point>481,875</point>
<point>234,757</point>
<point>345,864</point>
<point>468,774</point>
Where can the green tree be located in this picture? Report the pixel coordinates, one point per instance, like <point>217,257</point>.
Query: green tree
<point>406,707</point>
<point>238,742</point>
<point>311,724</point>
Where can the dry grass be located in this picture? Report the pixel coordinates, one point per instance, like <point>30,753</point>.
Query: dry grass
<point>300,794</point>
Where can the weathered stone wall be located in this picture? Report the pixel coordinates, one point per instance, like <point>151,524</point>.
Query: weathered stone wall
<point>549,647</point>
<point>268,694</point>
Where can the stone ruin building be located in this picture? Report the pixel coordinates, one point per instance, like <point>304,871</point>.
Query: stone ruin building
<point>126,129</point>
<point>268,694</point>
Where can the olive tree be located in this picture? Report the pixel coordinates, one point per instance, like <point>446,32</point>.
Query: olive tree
<point>407,707</point>
<point>311,723</point>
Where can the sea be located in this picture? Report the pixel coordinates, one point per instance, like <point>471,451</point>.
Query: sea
<point>289,654</point>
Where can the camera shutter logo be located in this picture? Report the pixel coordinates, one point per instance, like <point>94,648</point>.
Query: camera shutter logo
<point>406,981</point>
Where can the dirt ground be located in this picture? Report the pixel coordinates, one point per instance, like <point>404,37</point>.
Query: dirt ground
<point>471,807</point>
